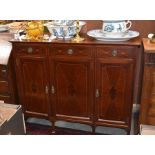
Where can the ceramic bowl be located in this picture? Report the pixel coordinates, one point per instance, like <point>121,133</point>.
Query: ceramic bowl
<point>63,22</point>
<point>63,31</point>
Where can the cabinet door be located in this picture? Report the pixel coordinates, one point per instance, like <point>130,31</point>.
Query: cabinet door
<point>73,89</point>
<point>114,88</point>
<point>33,84</point>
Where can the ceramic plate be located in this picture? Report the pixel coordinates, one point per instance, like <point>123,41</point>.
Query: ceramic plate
<point>99,35</point>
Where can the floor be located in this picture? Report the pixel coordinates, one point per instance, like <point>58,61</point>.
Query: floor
<point>87,128</point>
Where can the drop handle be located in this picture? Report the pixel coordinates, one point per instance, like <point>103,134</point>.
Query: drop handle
<point>97,94</point>
<point>46,90</point>
<point>70,51</point>
<point>30,50</point>
<point>114,53</point>
<point>52,90</point>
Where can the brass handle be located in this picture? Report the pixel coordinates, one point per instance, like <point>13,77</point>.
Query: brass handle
<point>30,50</point>
<point>46,89</point>
<point>52,90</point>
<point>97,93</point>
<point>70,51</point>
<point>114,53</point>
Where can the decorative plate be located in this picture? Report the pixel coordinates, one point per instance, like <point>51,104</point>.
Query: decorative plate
<point>99,35</point>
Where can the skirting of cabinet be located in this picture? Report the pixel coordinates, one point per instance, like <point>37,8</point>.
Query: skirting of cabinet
<point>113,124</point>
<point>35,114</point>
<point>74,119</point>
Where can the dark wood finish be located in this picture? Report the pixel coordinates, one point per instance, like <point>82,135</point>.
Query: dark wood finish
<point>114,81</point>
<point>33,84</point>
<point>147,110</point>
<point>73,71</point>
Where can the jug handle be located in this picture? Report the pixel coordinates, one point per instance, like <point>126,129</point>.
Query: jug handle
<point>130,24</point>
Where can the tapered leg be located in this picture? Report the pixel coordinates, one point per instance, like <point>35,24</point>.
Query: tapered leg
<point>53,127</point>
<point>93,129</point>
<point>128,131</point>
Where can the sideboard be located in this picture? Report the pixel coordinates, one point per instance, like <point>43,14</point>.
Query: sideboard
<point>90,82</point>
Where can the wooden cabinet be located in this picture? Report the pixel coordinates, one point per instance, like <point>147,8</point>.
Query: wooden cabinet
<point>32,77</point>
<point>147,109</point>
<point>90,82</point>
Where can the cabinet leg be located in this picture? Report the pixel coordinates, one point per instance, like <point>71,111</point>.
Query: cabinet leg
<point>53,127</point>
<point>128,132</point>
<point>93,129</point>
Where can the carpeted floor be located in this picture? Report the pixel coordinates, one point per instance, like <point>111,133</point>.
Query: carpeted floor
<point>35,126</point>
<point>37,129</point>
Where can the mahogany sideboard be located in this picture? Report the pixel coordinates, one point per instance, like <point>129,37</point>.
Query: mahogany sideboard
<point>91,82</point>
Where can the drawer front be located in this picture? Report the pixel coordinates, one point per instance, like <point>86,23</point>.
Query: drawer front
<point>115,51</point>
<point>30,49</point>
<point>4,87</point>
<point>3,72</point>
<point>72,51</point>
<point>6,99</point>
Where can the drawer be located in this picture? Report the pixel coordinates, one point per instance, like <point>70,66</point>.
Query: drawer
<point>72,51</point>
<point>6,99</point>
<point>30,49</point>
<point>3,72</point>
<point>4,87</point>
<point>115,51</point>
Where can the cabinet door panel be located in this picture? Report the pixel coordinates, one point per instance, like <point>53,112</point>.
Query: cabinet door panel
<point>73,81</point>
<point>114,80</point>
<point>32,76</point>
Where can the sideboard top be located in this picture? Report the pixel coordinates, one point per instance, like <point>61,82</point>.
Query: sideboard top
<point>87,41</point>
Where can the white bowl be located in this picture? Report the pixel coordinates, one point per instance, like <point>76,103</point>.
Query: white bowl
<point>63,31</point>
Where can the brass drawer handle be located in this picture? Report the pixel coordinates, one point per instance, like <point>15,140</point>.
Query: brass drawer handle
<point>30,50</point>
<point>70,51</point>
<point>114,53</point>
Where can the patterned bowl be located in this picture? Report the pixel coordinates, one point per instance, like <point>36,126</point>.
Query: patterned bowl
<point>63,31</point>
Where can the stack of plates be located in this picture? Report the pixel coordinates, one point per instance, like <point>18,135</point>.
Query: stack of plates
<point>99,35</point>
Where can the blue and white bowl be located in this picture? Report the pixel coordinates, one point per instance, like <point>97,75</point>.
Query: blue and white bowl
<point>62,31</point>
